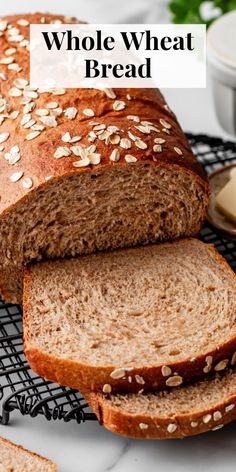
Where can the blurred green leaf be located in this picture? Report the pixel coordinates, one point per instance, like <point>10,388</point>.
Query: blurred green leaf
<point>225,5</point>
<point>190,11</point>
<point>231,5</point>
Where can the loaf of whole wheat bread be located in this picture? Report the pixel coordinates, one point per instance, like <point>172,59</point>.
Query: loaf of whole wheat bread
<point>14,458</point>
<point>134,319</point>
<point>86,170</point>
<point>185,411</point>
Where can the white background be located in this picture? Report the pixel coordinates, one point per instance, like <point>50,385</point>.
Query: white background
<point>88,447</point>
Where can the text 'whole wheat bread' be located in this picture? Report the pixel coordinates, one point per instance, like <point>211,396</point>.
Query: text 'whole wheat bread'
<point>144,318</point>
<point>86,170</point>
<point>184,411</point>
<point>14,458</point>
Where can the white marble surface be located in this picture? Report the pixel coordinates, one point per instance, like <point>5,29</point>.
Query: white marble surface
<point>88,447</point>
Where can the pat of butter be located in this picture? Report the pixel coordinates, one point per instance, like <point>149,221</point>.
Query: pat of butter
<point>232,173</point>
<point>226,199</point>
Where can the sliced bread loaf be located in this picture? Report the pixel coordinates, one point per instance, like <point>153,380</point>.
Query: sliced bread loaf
<point>18,459</point>
<point>183,411</point>
<point>86,170</point>
<point>143,318</point>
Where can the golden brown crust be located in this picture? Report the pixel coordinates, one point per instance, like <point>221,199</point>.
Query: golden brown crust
<point>38,159</point>
<point>83,376</point>
<point>93,378</point>
<point>153,427</point>
<point>32,454</point>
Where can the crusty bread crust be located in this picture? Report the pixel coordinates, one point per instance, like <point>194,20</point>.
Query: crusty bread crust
<point>189,424</point>
<point>29,453</point>
<point>37,159</point>
<point>84,377</point>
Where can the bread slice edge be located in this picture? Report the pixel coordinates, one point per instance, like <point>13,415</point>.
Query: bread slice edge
<point>22,449</point>
<point>144,426</point>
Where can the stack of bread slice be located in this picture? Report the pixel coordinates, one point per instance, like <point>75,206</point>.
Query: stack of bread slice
<point>101,201</point>
<point>128,324</point>
<point>206,405</point>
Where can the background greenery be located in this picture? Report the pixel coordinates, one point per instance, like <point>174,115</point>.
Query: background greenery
<point>192,11</point>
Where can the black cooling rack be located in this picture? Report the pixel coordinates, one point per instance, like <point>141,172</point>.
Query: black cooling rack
<point>21,389</point>
<point>24,391</point>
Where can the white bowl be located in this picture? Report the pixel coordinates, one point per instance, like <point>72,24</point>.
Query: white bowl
<point>221,54</point>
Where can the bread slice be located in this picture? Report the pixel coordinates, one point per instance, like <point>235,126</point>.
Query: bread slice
<point>141,318</point>
<point>18,459</point>
<point>97,169</point>
<point>183,411</point>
